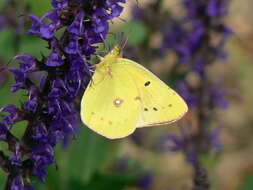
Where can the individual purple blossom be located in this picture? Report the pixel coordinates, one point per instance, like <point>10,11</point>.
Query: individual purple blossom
<point>51,109</point>
<point>187,143</point>
<point>12,117</point>
<point>185,92</point>
<point>3,132</point>
<point>32,103</point>
<point>27,64</point>
<point>15,158</point>
<point>17,182</point>
<point>20,78</point>
<point>41,27</point>
<point>2,22</point>
<point>145,180</point>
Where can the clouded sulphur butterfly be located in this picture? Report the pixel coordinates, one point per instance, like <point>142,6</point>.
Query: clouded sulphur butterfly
<point>123,95</point>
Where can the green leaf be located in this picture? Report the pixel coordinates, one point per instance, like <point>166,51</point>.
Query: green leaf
<point>210,160</point>
<point>6,44</point>
<point>106,181</point>
<point>247,184</point>
<point>3,179</point>
<point>136,32</point>
<point>87,154</point>
<point>38,7</point>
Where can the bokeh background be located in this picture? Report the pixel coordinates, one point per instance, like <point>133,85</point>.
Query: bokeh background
<point>140,162</point>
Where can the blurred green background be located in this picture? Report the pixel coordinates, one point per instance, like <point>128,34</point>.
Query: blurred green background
<point>92,162</point>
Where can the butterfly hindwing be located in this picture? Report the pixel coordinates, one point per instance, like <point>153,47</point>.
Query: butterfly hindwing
<point>160,104</point>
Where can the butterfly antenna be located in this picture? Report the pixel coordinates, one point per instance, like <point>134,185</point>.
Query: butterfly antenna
<point>123,45</point>
<point>122,19</point>
<point>102,37</point>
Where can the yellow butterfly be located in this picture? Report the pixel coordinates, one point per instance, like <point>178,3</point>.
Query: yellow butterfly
<point>123,95</point>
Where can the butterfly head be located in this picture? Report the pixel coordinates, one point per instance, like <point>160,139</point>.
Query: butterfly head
<point>114,53</point>
<point>110,57</point>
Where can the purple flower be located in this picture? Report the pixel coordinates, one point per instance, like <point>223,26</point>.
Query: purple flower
<point>77,25</point>
<point>28,63</point>
<point>218,95</point>
<point>54,59</point>
<point>2,22</point>
<point>20,78</point>
<point>40,133</point>
<point>42,155</point>
<point>16,157</point>
<point>32,102</point>
<point>60,4</point>
<point>3,132</point>
<point>72,47</point>
<point>145,181</point>
<point>41,27</point>
<point>50,109</point>
<point>217,7</point>
<point>17,182</point>
<point>13,116</point>
<point>185,91</point>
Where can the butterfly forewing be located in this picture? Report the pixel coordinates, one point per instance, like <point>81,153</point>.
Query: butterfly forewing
<point>109,106</point>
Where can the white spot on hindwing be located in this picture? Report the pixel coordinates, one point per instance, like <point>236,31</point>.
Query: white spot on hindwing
<point>117,102</point>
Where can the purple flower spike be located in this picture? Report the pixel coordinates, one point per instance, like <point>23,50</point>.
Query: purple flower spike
<point>51,108</point>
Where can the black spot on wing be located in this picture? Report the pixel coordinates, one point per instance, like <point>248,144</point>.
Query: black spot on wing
<point>147,83</point>
<point>155,109</point>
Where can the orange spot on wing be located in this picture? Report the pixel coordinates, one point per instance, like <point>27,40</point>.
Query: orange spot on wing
<point>137,98</point>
